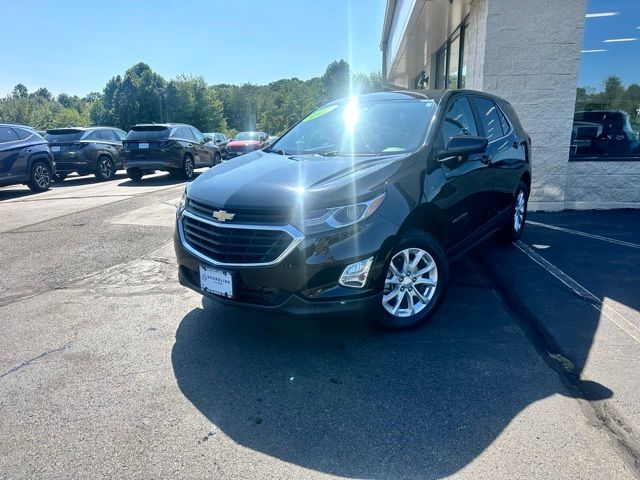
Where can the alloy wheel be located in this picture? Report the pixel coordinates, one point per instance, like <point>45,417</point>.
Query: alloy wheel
<point>188,167</point>
<point>105,167</point>
<point>519,211</point>
<point>42,176</point>
<point>411,282</point>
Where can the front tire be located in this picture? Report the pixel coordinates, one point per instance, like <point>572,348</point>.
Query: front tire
<point>134,174</point>
<point>415,281</point>
<point>217,159</point>
<point>105,170</point>
<point>40,177</point>
<point>512,230</point>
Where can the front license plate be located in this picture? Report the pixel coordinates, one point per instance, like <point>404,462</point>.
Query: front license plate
<point>143,145</point>
<point>216,281</point>
<point>55,148</point>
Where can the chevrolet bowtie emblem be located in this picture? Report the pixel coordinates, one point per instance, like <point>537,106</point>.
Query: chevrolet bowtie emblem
<point>223,216</point>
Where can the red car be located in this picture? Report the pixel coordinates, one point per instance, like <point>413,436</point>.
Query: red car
<point>245,142</point>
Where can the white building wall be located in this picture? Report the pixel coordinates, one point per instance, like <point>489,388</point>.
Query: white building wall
<point>531,57</point>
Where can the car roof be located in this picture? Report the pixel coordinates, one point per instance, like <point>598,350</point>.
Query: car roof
<point>166,125</point>
<point>436,95</point>
<point>81,129</point>
<point>17,125</point>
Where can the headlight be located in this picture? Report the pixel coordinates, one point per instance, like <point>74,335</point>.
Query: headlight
<point>338,217</point>
<point>183,203</point>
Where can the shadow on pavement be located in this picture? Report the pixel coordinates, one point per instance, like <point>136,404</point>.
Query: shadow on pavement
<point>157,181</point>
<point>342,397</point>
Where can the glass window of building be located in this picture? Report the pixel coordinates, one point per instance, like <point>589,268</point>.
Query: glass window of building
<point>607,115</point>
<point>454,62</point>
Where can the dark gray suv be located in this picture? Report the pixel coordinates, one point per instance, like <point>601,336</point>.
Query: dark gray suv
<point>25,158</point>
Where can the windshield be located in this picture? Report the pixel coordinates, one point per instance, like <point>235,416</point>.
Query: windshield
<point>148,133</point>
<point>65,135</point>
<point>247,136</point>
<point>374,127</point>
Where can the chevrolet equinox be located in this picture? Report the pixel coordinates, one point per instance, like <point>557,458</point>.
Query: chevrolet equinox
<point>361,204</point>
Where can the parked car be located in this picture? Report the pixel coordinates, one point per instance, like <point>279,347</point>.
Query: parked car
<point>604,132</point>
<point>173,147</point>
<point>271,139</point>
<point>219,140</point>
<point>86,151</point>
<point>25,158</point>
<point>361,204</point>
<point>245,142</point>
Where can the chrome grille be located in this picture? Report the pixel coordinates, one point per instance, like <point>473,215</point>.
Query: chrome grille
<point>254,216</point>
<point>237,244</point>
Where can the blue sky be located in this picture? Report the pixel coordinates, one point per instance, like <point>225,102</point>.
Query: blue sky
<point>619,19</point>
<point>76,46</point>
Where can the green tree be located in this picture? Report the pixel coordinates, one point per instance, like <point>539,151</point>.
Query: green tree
<point>190,100</point>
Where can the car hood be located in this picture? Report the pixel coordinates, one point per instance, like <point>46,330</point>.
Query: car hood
<point>243,143</point>
<point>262,180</point>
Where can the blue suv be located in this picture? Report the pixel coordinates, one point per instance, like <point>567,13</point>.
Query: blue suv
<point>25,158</point>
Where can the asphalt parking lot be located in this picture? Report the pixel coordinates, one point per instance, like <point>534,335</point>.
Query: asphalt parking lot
<point>109,368</point>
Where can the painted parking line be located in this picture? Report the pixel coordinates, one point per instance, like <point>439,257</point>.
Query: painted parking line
<point>584,234</point>
<point>613,315</point>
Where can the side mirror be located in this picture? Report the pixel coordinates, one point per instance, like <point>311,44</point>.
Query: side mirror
<point>463,146</point>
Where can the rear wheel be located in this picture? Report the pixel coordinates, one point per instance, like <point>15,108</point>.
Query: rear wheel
<point>134,174</point>
<point>187,168</point>
<point>415,281</point>
<point>216,159</point>
<point>517,216</point>
<point>40,177</point>
<point>105,169</point>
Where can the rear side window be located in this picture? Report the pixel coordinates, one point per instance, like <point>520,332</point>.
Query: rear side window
<point>503,120</point>
<point>24,133</point>
<point>94,135</point>
<point>108,135</point>
<point>196,133</point>
<point>120,134</point>
<point>7,135</point>
<point>458,120</point>
<point>490,118</point>
<point>148,133</point>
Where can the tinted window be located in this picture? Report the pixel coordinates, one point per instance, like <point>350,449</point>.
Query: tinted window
<point>108,135</point>
<point>489,117</point>
<point>458,120</point>
<point>24,133</point>
<point>503,120</point>
<point>92,135</point>
<point>121,134</point>
<point>63,135</point>
<point>7,135</point>
<point>150,132</point>
<point>196,133</point>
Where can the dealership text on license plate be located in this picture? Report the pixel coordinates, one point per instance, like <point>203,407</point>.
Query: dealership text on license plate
<point>143,145</point>
<point>216,281</point>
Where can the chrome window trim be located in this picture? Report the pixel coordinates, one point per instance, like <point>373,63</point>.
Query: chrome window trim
<point>295,234</point>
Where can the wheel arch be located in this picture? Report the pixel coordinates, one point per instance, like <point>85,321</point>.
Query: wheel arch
<point>425,217</point>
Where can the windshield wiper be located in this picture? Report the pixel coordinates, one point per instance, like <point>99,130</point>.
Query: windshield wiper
<point>276,150</point>
<point>346,154</point>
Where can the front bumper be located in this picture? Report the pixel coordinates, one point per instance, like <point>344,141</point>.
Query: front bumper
<point>305,282</point>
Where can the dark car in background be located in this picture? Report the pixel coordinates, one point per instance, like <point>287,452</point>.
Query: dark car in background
<point>361,204</point>
<point>25,158</point>
<point>86,151</point>
<point>220,141</point>
<point>173,147</point>
<point>245,142</point>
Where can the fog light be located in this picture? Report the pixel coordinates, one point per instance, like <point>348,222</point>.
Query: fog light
<point>355,275</point>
